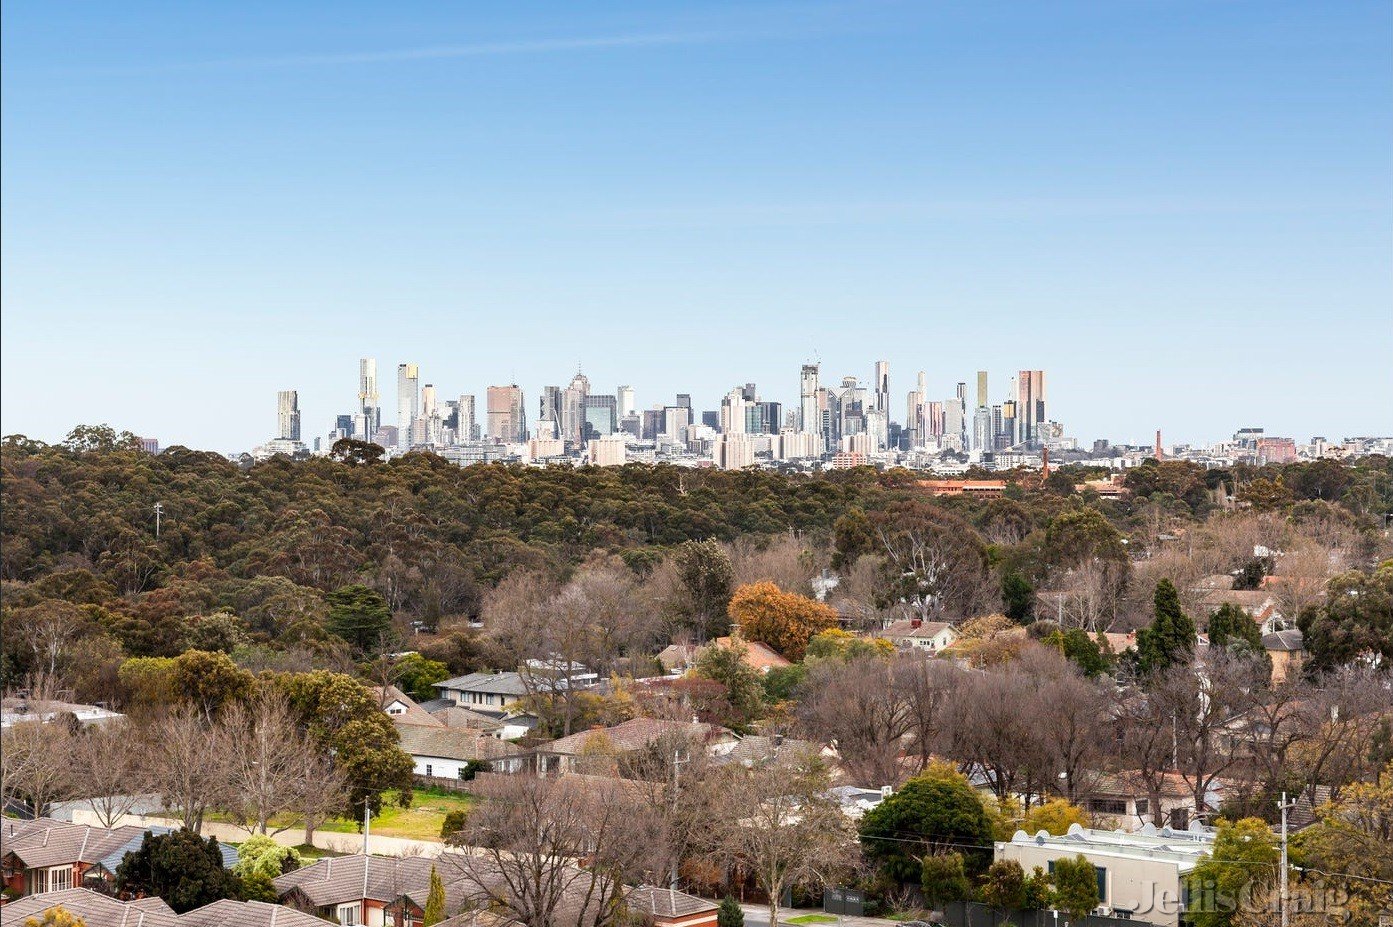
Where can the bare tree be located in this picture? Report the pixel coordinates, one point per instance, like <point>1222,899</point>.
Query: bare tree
<point>786,560</point>
<point>108,770</point>
<point>1145,746</point>
<point>1072,719</point>
<point>1345,710</point>
<point>927,686</point>
<point>326,799</point>
<point>778,825</point>
<point>1207,701</point>
<point>270,763</point>
<point>184,764</point>
<point>37,758</point>
<point>530,834</point>
<point>859,590</point>
<point>856,705</point>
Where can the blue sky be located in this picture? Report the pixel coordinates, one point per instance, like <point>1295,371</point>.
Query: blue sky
<point>1183,211</point>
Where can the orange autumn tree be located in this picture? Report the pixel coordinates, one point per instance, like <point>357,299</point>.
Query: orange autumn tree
<point>783,620</point>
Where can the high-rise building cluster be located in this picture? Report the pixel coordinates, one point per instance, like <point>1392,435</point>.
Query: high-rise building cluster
<point>840,423</point>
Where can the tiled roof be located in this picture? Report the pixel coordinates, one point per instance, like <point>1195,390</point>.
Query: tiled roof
<point>340,880</point>
<point>94,908</point>
<point>664,902</point>
<point>631,735</point>
<point>457,716</point>
<point>414,713</point>
<point>757,656</point>
<point>1291,640</point>
<point>757,750</point>
<point>45,842</point>
<point>906,628</point>
<point>228,913</point>
<point>489,683</point>
<point>452,743</point>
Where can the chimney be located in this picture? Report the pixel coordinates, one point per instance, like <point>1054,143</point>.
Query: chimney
<point>1158,444</point>
<point>916,622</point>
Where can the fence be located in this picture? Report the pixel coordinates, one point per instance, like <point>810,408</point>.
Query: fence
<point>974,914</point>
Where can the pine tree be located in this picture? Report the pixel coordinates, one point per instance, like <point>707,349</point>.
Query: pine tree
<point>729,914</point>
<point>1170,638</point>
<point>435,900</point>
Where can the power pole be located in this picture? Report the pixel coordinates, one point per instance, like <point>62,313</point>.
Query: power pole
<point>367,825</point>
<point>1286,916</point>
<point>159,510</point>
<point>677,762</point>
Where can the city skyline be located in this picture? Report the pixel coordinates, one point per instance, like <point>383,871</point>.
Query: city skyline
<point>1183,210</point>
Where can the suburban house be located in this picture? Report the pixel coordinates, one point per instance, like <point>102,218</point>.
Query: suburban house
<point>930,636</point>
<point>484,690</point>
<point>373,890</point>
<point>459,717</point>
<point>1121,800</point>
<point>676,659</point>
<point>598,749</point>
<point>665,907</point>
<point>99,910</point>
<point>773,750</point>
<point>445,753</point>
<point>44,855</point>
<point>403,708</point>
<point>94,908</point>
<point>21,710</point>
<point>759,657</point>
<point>1287,650</point>
<point>1140,874</point>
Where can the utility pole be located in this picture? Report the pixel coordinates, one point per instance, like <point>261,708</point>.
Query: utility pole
<point>677,762</point>
<point>159,510</point>
<point>1286,915</point>
<point>367,826</point>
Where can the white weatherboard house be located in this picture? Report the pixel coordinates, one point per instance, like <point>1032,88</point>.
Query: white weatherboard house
<point>1139,874</point>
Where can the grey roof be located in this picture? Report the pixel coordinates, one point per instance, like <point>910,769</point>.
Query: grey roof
<point>452,743</point>
<point>1284,640</point>
<point>46,842</point>
<point>341,879</point>
<point>228,913</point>
<point>458,716</point>
<point>95,909</point>
<point>631,735</point>
<point>757,750</point>
<point>113,859</point>
<point>664,902</point>
<point>488,683</point>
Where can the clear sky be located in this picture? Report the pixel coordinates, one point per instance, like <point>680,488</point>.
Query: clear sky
<point>1182,210</point>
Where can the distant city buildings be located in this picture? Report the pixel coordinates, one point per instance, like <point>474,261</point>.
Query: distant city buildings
<point>852,423</point>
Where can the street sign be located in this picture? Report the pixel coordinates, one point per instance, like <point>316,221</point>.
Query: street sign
<point>848,901</point>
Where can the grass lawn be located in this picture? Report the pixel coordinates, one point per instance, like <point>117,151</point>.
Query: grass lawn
<point>812,919</point>
<point>419,822</point>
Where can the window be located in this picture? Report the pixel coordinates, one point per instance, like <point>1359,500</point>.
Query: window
<point>60,878</point>
<point>38,881</point>
<point>428,770</point>
<point>1180,818</point>
<point>1102,884</point>
<point>348,915</point>
<point>1143,806</point>
<point>1108,806</point>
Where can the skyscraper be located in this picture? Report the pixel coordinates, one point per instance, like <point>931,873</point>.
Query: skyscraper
<point>625,395</point>
<point>879,423</point>
<point>507,419</point>
<point>982,400</point>
<point>466,427</point>
<point>1030,406</point>
<point>601,417</point>
<point>809,416</point>
<point>288,409</point>
<point>369,411</point>
<point>408,402</point>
